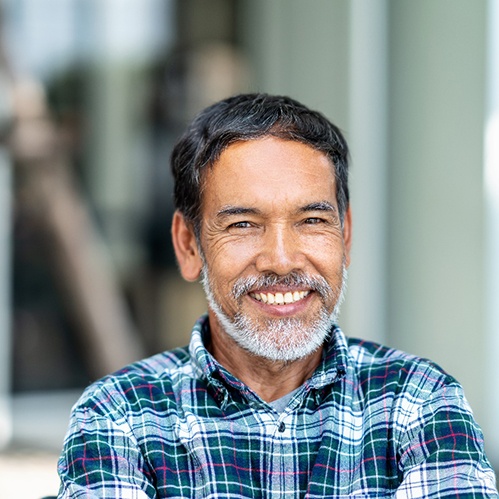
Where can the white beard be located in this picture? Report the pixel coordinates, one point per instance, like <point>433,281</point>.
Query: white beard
<point>280,339</point>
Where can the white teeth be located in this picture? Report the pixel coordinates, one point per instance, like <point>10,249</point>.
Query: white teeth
<point>280,298</point>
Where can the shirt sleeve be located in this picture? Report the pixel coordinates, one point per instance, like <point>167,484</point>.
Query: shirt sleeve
<point>442,453</point>
<point>101,457</point>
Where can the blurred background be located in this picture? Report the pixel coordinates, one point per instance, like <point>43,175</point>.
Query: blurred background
<point>92,96</point>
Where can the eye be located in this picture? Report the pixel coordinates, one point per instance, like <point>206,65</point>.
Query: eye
<point>314,220</point>
<point>240,225</point>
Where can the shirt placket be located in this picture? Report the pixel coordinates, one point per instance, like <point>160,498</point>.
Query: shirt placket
<point>279,474</point>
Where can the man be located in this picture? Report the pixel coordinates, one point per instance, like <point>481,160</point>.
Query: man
<point>270,399</point>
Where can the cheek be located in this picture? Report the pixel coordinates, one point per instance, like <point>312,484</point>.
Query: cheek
<point>225,268</point>
<point>231,258</point>
<point>328,259</point>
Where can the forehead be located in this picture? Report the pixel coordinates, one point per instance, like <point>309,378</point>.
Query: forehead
<point>268,170</point>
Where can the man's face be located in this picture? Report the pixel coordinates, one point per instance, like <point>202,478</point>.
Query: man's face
<point>274,251</point>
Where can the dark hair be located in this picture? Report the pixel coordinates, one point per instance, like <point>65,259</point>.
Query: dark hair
<point>247,117</point>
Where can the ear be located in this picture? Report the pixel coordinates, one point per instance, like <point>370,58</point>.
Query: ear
<point>347,235</point>
<point>186,248</point>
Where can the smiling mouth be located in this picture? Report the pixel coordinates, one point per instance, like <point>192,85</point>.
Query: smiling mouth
<point>280,298</point>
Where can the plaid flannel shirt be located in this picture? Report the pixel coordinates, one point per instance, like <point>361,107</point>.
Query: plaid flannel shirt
<point>370,422</point>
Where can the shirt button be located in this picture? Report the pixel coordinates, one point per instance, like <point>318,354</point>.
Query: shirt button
<point>282,427</point>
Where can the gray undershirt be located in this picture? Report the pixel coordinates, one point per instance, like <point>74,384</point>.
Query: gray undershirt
<point>280,404</point>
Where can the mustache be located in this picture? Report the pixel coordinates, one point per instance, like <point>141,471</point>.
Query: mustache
<point>294,279</point>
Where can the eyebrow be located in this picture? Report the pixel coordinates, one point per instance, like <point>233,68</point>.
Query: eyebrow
<point>231,210</point>
<point>228,211</point>
<point>319,206</point>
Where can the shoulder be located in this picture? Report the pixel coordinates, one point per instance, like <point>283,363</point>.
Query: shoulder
<point>164,365</point>
<point>380,368</point>
<point>412,394</point>
<point>148,382</point>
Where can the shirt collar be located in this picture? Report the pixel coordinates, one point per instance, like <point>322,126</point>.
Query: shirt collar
<point>334,361</point>
<point>332,368</point>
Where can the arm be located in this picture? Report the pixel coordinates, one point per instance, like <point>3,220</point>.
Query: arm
<point>101,457</point>
<point>442,452</point>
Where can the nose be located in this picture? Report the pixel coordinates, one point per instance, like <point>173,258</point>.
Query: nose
<point>280,251</point>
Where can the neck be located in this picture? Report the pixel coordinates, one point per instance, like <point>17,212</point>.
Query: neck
<point>269,379</point>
